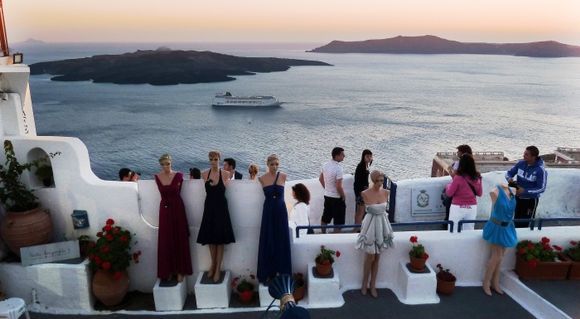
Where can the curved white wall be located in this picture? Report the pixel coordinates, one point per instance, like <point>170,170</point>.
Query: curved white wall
<point>136,206</point>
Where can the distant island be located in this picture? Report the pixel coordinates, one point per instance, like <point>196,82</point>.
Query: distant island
<point>31,41</point>
<point>430,44</point>
<point>163,67</point>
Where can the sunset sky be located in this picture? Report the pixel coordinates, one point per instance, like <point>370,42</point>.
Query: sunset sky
<point>290,21</point>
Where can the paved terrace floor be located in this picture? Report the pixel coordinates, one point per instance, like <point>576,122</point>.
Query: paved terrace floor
<point>564,294</point>
<point>466,302</point>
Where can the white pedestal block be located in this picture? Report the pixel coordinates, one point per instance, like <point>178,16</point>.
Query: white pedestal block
<point>54,285</point>
<point>324,292</point>
<point>416,288</point>
<point>213,295</point>
<point>170,298</point>
<point>265,298</point>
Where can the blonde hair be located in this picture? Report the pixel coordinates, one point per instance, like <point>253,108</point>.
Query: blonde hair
<point>253,169</point>
<point>271,158</point>
<point>214,154</point>
<point>165,157</point>
<point>376,174</point>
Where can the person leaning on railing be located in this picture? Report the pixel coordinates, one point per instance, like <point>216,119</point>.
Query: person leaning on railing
<point>531,183</point>
<point>464,188</point>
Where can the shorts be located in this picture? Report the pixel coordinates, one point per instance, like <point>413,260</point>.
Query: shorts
<point>334,209</point>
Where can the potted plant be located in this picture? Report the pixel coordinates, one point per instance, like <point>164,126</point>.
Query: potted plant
<point>417,255</point>
<point>244,287</point>
<point>540,260</point>
<point>572,254</point>
<point>85,244</point>
<point>24,224</point>
<point>445,281</point>
<point>324,261</point>
<point>109,258</point>
<point>299,286</point>
<point>44,174</point>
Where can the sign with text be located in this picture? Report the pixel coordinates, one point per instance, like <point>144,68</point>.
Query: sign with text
<point>41,254</point>
<point>426,201</point>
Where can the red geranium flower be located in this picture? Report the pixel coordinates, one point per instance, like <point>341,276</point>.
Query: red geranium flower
<point>337,253</point>
<point>413,239</point>
<point>573,242</point>
<point>545,240</point>
<point>117,275</point>
<point>558,248</point>
<point>533,263</point>
<point>112,250</point>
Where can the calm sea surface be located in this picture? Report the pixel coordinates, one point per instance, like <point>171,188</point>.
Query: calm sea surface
<point>404,108</point>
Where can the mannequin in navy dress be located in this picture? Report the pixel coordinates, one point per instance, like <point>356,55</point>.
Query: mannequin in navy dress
<point>274,251</point>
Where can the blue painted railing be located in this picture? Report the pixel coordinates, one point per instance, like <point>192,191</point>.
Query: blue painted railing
<point>540,221</point>
<point>394,225</point>
<point>533,223</point>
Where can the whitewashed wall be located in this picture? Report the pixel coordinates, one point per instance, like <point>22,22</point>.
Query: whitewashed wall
<point>136,205</point>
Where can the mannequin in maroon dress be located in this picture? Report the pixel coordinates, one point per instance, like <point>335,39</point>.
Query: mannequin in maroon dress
<point>173,253</point>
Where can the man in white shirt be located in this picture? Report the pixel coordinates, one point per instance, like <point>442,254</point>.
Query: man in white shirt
<point>331,180</point>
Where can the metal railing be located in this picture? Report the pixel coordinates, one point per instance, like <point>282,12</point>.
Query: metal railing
<point>482,221</point>
<point>533,223</point>
<point>540,221</point>
<point>394,225</point>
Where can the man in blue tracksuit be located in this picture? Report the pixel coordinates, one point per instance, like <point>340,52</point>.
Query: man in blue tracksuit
<point>531,182</point>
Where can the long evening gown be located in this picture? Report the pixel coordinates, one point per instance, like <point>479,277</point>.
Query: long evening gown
<point>216,226</point>
<point>173,253</point>
<point>274,251</point>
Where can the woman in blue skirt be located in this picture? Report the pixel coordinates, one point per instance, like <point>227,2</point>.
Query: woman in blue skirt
<point>500,232</point>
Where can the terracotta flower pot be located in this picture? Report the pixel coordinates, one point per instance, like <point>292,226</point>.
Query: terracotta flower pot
<point>418,264</point>
<point>29,228</point>
<point>323,268</point>
<point>298,293</point>
<point>550,270</point>
<point>246,296</point>
<point>574,271</point>
<point>445,287</point>
<point>110,292</point>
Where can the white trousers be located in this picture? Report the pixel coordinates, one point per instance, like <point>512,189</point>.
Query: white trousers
<point>459,212</point>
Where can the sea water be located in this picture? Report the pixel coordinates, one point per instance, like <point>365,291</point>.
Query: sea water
<point>404,108</point>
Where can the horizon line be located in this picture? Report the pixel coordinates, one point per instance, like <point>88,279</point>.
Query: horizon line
<point>39,41</point>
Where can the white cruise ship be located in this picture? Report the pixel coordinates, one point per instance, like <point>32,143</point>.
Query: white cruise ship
<point>227,99</point>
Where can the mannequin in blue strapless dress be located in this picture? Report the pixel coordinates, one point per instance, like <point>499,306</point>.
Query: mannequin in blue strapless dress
<point>500,232</point>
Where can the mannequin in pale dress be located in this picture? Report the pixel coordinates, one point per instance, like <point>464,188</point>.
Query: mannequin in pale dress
<point>376,233</point>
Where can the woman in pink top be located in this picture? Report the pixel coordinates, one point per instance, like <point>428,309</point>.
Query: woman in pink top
<point>466,185</point>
